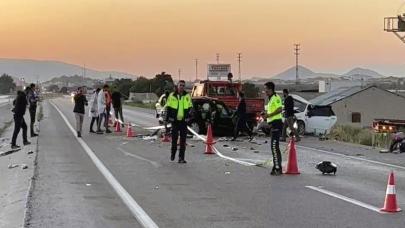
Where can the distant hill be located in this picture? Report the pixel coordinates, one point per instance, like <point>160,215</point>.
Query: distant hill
<point>33,70</point>
<point>303,73</point>
<point>358,73</point>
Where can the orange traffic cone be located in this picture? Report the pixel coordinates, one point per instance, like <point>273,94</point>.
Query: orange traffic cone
<point>292,165</point>
<point>210,141</point>
<point>165,138</point>
<point>390,204</point>
<point>117,126</point>
<point>130,133</point>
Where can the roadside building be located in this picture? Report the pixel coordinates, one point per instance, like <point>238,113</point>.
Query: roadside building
<point>359,106</point>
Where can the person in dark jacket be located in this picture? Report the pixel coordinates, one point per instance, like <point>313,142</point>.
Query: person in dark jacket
<point>32,98</point>
<point>116,97</point>
<point>289,117</point>
<point>80,102</point>
<point>241,121</point>
<point>20,106</point>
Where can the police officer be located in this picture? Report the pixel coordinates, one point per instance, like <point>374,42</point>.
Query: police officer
<point>179,106</point>
<point>274,119</point>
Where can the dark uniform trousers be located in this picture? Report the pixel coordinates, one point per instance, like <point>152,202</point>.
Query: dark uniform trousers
<point>179,126</point>
<point>19,123</point>
<point>276,128</point>
<point>33,110</point>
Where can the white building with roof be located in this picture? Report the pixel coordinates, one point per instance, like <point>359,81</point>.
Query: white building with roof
<point>359,106</point>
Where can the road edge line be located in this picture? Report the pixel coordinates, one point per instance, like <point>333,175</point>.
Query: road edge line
<point>132,205</point>
<point>345,198</point>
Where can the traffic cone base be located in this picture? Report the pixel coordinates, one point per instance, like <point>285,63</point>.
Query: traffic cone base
<point>130,133</point>
<point>117,127</point>
<point>390,203</point>
<point>165,138</point>
<point>292,164</point>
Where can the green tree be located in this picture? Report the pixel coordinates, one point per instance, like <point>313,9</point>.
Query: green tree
<point>162,82</point>
<point>251,91</point>
<point>53,88</point>
<point>141,85</point>
<point>123,86</point>
<point>6,84</point>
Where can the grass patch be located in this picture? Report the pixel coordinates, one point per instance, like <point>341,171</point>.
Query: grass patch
<point>140,105</point>
<point>346,133</point>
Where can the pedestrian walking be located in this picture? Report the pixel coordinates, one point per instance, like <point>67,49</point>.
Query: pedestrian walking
<point>107,95</point>
<point>289,117</point>
<point>20,106</point>
<point>179,107</point>
<point>241,119</point>
<point>80,102</point>
<point>32,98</point>
<point>116,97</point>
<point>93,114</point>
<point>274,119</point>
<point>100,110</point>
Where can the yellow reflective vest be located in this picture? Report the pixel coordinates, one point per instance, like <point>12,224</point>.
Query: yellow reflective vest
<point>180,103</point>
<point>273,104</point>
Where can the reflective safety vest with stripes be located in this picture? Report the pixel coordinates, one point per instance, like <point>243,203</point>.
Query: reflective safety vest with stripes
<point>273,104</point>
<point>179,103</point>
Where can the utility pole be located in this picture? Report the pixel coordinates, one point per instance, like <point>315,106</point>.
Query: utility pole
<point>239,60</point>
<point>296,53</point>
<point>196,69</point>
<point>217,58</point>
<point>179,73</point>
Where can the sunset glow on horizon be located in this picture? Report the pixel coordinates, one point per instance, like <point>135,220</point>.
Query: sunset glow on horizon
<point>146,37</point>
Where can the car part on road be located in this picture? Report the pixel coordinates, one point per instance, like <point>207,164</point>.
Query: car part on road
<point>327,167</point>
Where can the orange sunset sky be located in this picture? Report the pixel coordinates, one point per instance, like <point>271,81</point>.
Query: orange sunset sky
<point>144,37</point>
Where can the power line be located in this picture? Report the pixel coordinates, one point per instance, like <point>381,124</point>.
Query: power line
<point>196,69</point>
<point>296,53</point>
<point>239,60</point>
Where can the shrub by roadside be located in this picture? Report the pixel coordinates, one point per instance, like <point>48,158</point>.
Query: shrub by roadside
<point>346,133</point>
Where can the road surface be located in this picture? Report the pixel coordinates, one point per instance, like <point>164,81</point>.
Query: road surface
<point>208,191</point>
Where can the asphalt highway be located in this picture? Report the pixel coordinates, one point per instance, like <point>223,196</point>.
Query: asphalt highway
<point>71,190</point>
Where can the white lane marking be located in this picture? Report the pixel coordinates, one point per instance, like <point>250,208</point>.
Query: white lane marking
<point>233,159</point>
<point>344,198</point>
<point>155,164</point>
<point>352,157</point>
<point>219,153</point>
<point>133,206</point>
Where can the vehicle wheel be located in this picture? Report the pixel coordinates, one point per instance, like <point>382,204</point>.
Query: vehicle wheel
<point>301,127</point>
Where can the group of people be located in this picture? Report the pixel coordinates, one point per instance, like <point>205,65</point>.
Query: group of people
<point>29,98</point>
<point>99,110</point>
<point>179,108</point>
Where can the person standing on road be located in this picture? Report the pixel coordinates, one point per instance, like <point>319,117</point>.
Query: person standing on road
<point>274,119</point>
<point>289,117</point>
<point>179,106</point>
<point>100,110</point>
<point>241,121</point>
<point>80,102</point>
<point>116,97</point>
<point>107,95</point>
<point>32,98</point>
<point>93,109</point>
<point>20,106</point>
